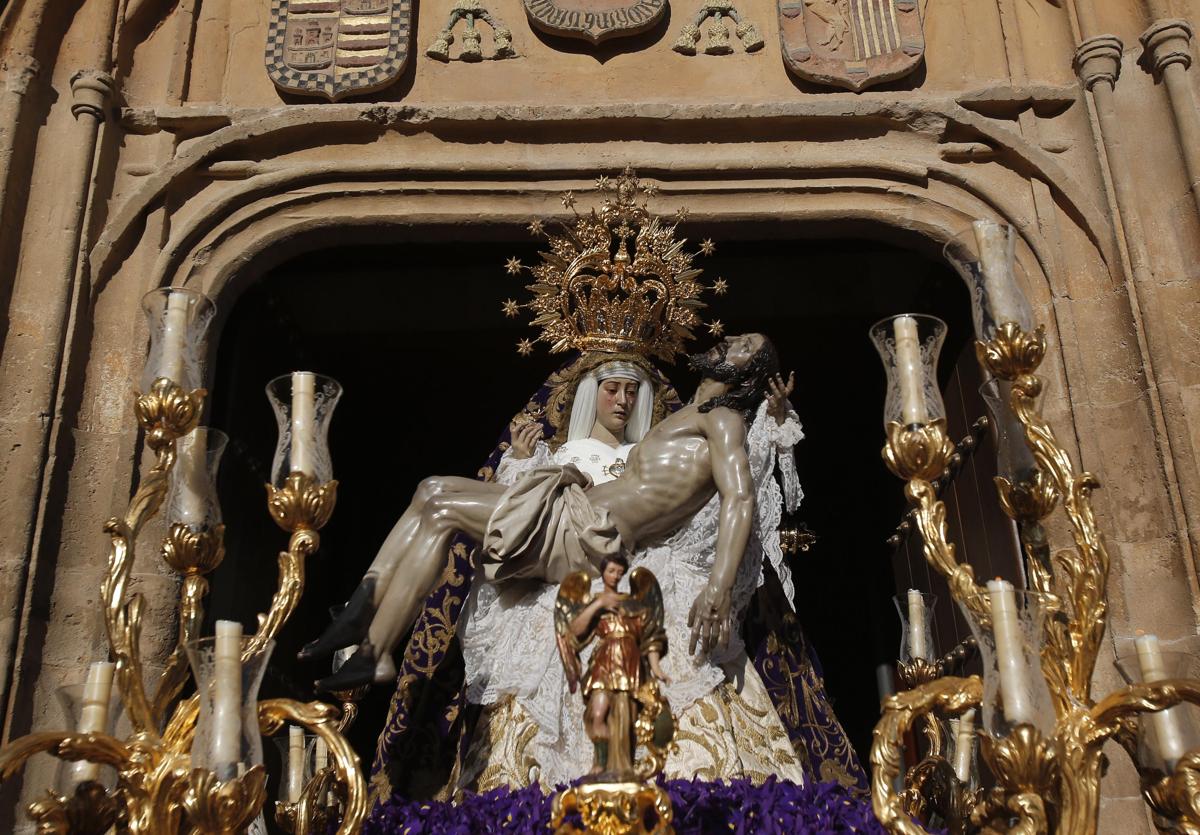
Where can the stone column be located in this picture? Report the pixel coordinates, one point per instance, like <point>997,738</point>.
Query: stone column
<point>1168,54</point>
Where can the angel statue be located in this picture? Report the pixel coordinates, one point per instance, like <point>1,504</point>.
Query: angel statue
<point>624,708</point>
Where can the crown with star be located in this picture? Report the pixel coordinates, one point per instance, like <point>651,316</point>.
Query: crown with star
<point>616,279</point>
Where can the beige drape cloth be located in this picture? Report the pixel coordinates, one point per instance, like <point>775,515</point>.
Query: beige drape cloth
<point>545,527</point>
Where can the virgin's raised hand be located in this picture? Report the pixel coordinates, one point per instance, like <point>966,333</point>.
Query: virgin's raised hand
<point>524,438</point>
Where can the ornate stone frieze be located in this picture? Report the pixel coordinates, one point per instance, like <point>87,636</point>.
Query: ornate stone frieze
<point>594,20</point>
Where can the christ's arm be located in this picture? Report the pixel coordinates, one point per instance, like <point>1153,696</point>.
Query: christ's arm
<point>726,433</point>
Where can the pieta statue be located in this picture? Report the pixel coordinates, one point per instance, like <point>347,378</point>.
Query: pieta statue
<point>624,707</point>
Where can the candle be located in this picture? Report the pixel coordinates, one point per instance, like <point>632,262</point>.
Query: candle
<point>193,478</point>
<point>295,780</point>
<point>303,421</point>
<point>909,370</point>
<point>1167,724</point>
<point>1010,656</point>
<point>964,745</point>
<point>1004,300</point>
<point>174,338</point>
<point>916,626</point>
<point>226,733</point>
<point>93,715</point>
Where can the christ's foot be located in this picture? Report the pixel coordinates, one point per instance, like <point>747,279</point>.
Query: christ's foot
<point>358,670</point>
<point>349,627</point>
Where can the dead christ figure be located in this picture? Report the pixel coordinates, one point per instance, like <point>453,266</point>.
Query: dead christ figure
<point>554,522</point>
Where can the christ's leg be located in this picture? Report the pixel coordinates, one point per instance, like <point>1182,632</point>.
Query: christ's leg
<point>409,563</point>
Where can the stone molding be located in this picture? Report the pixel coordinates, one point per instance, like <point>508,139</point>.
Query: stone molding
<point>1167,42</point>
<point>1099,59</point>
<point>92,91</point>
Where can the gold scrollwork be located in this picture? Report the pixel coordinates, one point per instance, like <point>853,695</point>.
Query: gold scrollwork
<point>920,451</point>
<point>224,807</point>
<point>613,809</point>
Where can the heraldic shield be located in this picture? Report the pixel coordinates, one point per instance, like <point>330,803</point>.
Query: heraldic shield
<point>337,48</point>
<point>594,20</point>
<point>851,43</point>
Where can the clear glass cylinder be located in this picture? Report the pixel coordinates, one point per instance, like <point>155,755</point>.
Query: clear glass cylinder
<point>297,751</point>
<point>83,712</point>
<point>1164,736</point>
<point>192,496</point>
<point>909,345</point>
<point>303,403</point>
<point>227,739</point>
<point>1010,648</point>
<point>916,619</point>
<point>178,320</point>
<point>1014,458</point>
<point>984,255</point>
<point>964,751</point>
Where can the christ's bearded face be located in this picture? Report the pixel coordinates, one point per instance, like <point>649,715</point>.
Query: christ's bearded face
<point>725,361</point>
<point>615,400</point>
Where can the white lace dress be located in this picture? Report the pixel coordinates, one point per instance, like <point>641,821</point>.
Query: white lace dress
<point>507,631</point>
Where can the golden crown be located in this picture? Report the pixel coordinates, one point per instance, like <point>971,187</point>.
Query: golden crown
<point>592,293</point>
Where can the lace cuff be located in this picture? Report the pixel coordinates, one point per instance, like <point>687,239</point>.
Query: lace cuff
<point>788,435</point>
<point>510,469</point>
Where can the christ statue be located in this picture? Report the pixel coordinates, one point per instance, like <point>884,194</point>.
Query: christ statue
<point>554,521</point>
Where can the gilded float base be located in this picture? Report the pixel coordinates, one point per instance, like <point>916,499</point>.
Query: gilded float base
<point>613,809</point>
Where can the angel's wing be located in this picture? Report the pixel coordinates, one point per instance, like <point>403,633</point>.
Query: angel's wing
<point>643,586</point>
<point>574,593</point>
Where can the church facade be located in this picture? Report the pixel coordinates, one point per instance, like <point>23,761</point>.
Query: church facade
<point>202,143</point>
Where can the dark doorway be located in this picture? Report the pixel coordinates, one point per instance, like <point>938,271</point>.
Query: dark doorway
<point>414,332</point>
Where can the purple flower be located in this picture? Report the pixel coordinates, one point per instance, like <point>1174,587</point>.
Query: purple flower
<point>702,807</point>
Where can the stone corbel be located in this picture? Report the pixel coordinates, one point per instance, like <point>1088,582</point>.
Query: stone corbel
<point>1167,42</point>
<point>1099,59</point>
<point>92,90</point>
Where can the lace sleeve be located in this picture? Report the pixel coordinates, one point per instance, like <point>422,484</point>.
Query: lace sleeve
<point>510,469</point>
<point>785,437</point>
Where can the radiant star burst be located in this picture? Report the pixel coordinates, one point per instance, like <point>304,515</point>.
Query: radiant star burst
<point>536,227</point>
<point>525,347</point>
<point>716,328</point>
<point>720,287</point>
<point>513,266</point>
<point>707,246</point>
<point>651,189</point>
<point>603,183</point>
<point>511,308</point>
<point>681,214</point>
<point>568,200</point>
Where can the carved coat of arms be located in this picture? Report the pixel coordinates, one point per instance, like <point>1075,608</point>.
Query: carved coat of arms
<point>337,48</point>
<point>851,43</point>
<point>594,20</point>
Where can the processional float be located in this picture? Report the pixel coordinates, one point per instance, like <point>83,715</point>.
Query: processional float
<point>196,764</point>
<point>1043,731</point>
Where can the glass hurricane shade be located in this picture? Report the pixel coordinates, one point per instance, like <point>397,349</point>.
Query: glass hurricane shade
<point>88,708</point>
<point>178,320</point>
<point>1164,735</point>
<point>227,739</point>
<point>297,759</point>
<point>984,255</point>
<point>909,346</point>
<point>303,403</point>
<point>1014,458</point>
<point>916,620</point>
<point>192,496</point>
<point>1010,648</point>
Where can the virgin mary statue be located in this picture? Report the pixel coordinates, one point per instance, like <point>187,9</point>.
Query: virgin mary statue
<point>481,698</point>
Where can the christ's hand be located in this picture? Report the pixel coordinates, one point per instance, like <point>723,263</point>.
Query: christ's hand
<point>709,619</point>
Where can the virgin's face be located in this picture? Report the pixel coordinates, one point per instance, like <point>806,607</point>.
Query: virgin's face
<point>613,572</point>
<point>615,400</point>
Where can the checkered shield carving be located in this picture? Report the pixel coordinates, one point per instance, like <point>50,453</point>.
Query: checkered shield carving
<point>337,48</point>
<point>851,43</point>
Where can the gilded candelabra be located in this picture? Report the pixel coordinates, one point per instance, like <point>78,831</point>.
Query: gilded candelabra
<point>1047,764</point>
<point>161,787</point>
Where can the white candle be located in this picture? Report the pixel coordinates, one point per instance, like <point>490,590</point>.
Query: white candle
<point>193,478</point>
<point>93,714</point>
<point>226,735</point>
<point>295,783</point>
<point>995,262</point>
<point>303,421</point>
<point>916,625</point>
<point>1010,656</point>
<point>174,338</point>
<point>909,370</point>
<point>964,745</point>
<point>1167,724</point>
